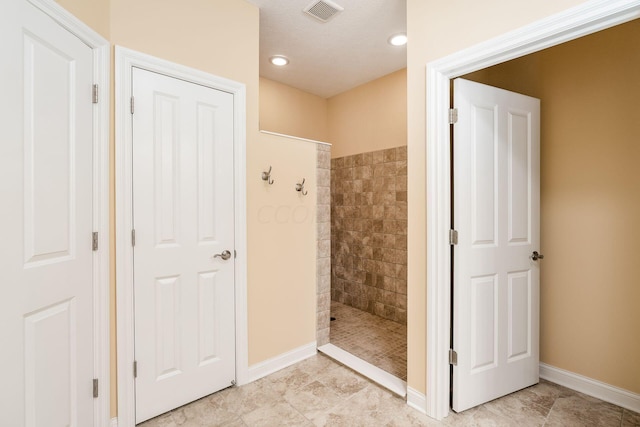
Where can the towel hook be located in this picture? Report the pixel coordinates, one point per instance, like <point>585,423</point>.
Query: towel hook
<point>266,176</point>
<point>300,187</point>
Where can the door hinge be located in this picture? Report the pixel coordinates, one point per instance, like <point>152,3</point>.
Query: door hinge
<point>135,369</point>
<point>132,104</point>
<point>94,240</point>
<point>453,237</point>
<point>453,116</point>
<point>235,254</point>
<point>133,237</point>
<point>453,357</point>
<point>95,387</point>
<point>94,94</point>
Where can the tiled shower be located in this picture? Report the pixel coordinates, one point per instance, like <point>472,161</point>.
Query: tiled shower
<point>369,232</point>
<point>369,257</point>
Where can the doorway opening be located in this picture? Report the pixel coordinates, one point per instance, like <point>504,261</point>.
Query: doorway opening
<point>579,82</point>
<point>369,260</point>
<point>361,220</point>
<point>550,32</point>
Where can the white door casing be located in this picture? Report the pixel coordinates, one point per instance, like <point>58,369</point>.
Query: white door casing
<point>126,61</point>
<point>581,20</point>
<point>496,284</point>
<point>183,216</point>
<point>52,186</point>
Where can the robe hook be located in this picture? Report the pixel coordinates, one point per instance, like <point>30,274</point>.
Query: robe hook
<point>266,176</point>
<point>300,187</point>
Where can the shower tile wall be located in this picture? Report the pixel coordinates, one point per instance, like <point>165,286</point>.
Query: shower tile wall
<point>369,232</point>
<point>323,254</point>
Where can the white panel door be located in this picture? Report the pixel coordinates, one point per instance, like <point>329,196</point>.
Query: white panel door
<point>497,214</point>
<point>46,309</point>
<point>183,216</point>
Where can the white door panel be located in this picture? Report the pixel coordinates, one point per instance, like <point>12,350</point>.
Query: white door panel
<point>183,216</point>
<point>46,221</point>
<point>496,213</point>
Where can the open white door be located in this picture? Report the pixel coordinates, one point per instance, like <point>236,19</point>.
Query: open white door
<point>46,221</point>
<point>497,216</point>
<point>183,214</point>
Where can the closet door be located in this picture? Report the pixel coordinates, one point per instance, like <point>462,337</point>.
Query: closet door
<point>46,161</point>
<point>184,260</point>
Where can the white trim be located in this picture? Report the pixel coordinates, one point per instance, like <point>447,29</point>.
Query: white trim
<point>269,366</point>
<point>595,388</point>
<point>114,422</point>
<point>585,19</point>
<point>297,138</point>
<point>72,24</point>
<point>101,69</point>
<point>126,59</point>
<point>385,379</point>
<point>416,400</point>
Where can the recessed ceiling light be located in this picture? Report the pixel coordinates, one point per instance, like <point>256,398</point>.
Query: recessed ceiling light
<point>398,39</point>
<point>279,60</point>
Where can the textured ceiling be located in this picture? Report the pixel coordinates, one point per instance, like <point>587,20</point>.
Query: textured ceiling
<point>329,58</point>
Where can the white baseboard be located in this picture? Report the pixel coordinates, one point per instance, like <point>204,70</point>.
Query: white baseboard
<point>385,379</point>
<point>269,366</point>
<point>602,391</point>
<point>114,422</point>
<point>417,400</point>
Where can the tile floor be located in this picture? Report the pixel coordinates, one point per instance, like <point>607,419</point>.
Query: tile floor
<point>381,342</point>
<point>321,392</point>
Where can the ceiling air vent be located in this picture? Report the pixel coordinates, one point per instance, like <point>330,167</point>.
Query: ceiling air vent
<point>323,10</point>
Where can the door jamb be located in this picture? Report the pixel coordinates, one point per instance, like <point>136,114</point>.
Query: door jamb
<point>582,20</point>
<point>126,60</point>
<point>100,204</point>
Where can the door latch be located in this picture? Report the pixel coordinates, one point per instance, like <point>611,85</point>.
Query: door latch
<point>536,256</point>
<point>225,255</point>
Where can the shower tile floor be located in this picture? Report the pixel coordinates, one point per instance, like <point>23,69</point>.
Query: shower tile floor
<point>381,342</point>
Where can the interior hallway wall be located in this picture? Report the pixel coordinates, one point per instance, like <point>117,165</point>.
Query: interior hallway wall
<point>370,117</point>
<point>290,111</point>
<point>590,199</point>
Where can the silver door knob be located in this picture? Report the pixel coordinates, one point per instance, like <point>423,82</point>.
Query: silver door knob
<point>225,255</point>
<point>536,256</point>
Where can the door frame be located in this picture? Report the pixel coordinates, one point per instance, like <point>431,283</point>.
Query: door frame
<point>100,203</point>
<point>125,61</point>
<point>579,21</point>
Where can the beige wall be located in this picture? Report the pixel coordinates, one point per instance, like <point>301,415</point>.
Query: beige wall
<point>94,13</point>
<point>370,117</point>
<point>590,197</point>
<point>282,248</point>
<point>437,29</point>
<point>281,251</point>
<point>290,111</point>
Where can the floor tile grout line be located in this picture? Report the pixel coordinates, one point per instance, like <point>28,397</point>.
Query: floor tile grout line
<point>360,401</point>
